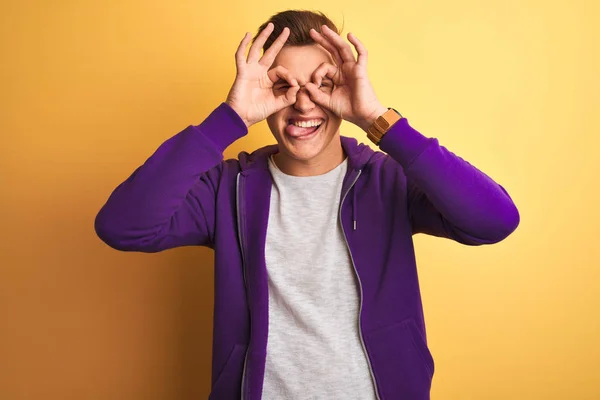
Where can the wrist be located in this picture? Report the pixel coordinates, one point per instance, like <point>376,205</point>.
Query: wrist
<point>382,124</point>
<point>369,121</point>
<point>234,108</point>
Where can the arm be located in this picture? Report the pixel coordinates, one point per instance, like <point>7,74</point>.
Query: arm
<point>169,201</point>
<point>447,196</point>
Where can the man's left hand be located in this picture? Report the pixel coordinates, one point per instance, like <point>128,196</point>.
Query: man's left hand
<point>353,97</point>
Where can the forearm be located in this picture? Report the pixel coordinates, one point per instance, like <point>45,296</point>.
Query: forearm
<point>145,202</point>
<point>466,197</point>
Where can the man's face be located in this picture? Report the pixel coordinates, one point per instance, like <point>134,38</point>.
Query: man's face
<point>302,62</point>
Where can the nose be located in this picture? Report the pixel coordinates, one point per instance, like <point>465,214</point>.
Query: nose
<point>303,100</point>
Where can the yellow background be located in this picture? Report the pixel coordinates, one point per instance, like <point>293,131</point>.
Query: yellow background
<point>89,89</point>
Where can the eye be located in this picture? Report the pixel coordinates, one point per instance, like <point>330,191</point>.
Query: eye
<point>326,86</point>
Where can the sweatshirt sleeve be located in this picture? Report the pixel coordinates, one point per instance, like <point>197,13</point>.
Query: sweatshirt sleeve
<point>447,196</point>
<point>169,200</point>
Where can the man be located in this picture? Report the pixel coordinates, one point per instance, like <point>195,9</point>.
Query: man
<point>316,288</point>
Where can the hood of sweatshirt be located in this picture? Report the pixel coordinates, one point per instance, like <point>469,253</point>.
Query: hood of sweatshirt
<point>359,155</point>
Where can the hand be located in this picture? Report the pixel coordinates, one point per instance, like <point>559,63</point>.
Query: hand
<point>353,97</point>
<point>251,95</point>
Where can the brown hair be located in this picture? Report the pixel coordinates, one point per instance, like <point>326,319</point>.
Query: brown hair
<point>300,22</point>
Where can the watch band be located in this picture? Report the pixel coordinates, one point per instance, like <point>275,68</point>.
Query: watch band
<point>383,124</point>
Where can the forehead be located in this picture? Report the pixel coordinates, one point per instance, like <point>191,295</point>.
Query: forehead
<point>302,61</point>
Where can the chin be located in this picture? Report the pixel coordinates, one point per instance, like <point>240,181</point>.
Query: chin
<point>305,148</point>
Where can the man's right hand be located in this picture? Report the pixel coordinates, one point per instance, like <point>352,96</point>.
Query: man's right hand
<point>251,95</point>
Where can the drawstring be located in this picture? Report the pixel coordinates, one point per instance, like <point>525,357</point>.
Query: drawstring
<point>354,205</point>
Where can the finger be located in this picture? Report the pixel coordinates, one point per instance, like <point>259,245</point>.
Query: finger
<point>240,54</point>
<point>269,56</point>
<point>360,49</point>
<point>317,95</point>
<point>323,41</point>
<point>343,47</point>
<point>254,53</point>
<point>326,70</point>
<point>287,99</point>
<point>281,72</point>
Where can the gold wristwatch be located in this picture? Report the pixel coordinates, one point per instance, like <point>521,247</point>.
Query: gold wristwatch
<point>382,125</point>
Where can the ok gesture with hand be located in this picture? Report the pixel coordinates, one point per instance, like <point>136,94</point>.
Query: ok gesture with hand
<point>353,97</point>
<point>251,95</point>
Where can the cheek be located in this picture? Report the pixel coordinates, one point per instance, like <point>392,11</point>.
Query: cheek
<point>273,118</point>
<point>272,123</point>
<point>334,124</point>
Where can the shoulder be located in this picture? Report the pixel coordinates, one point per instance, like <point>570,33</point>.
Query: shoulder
<point>381,167</point>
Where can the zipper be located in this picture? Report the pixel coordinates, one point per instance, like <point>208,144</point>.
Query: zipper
<point>360,286</point>
<point>239,222</point>
<point>239,219</point>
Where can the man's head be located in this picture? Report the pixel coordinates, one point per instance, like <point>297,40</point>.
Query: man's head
<point>301,56</point>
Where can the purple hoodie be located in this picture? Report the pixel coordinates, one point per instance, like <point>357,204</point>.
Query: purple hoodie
<point>186,194</point>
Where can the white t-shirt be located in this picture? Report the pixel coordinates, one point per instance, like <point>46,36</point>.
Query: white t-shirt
<point>314,349</point>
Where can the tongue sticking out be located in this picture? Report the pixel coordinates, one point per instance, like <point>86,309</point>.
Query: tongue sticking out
<point>297,131</point>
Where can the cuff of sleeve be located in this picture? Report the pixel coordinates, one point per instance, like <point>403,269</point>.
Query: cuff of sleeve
<point>404,143</point>
<point>223,127</point>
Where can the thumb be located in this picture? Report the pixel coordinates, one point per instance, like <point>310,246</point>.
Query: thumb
<point>318,96</point>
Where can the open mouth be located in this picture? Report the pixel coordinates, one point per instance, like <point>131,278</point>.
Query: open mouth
<point>298,132</point>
